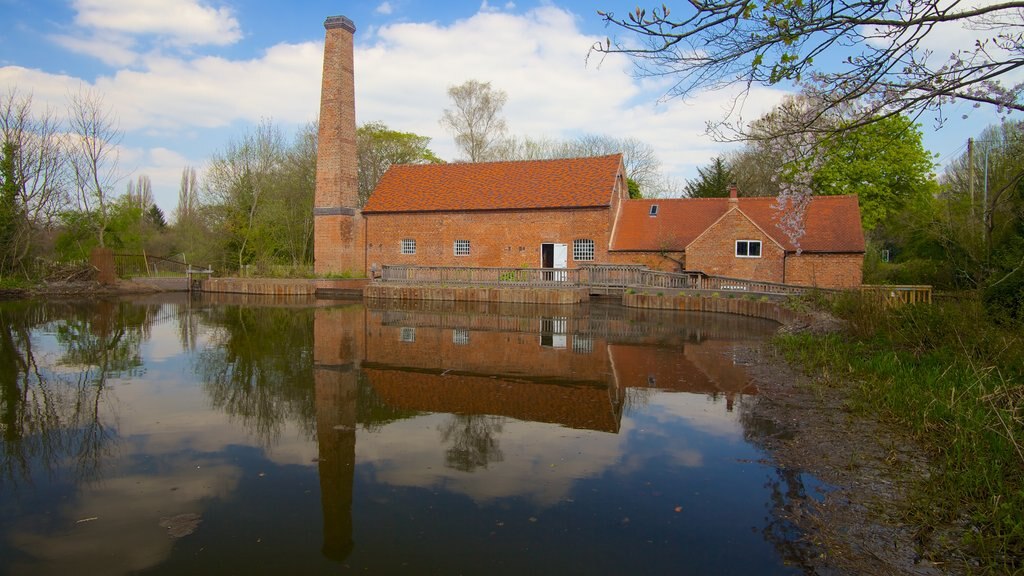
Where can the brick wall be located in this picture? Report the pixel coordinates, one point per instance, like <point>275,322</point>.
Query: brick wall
<point>714,252</point>
<point>498,238</point>
<point>825,270</point>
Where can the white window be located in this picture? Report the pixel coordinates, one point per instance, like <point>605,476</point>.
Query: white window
<point>654,209</point>
<point>407,334</point>
<point>408,246</point>
<point>462,247</point>
<point>460,336</point>
<point>748,248</point>
<point>582,249</point>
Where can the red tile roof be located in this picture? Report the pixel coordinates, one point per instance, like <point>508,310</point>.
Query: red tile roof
<point>563,183</point>
<point>832,223</point>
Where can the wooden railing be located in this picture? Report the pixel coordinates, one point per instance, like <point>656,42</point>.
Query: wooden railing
<point>904,294</point>
<point>725,284</point>
<point>615,277</point>
<point>525,277</point>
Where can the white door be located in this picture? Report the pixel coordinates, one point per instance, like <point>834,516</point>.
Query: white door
<point>561,261</point>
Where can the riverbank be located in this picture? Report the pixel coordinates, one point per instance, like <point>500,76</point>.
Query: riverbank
<point>855,526</point>
<point>914,416</point>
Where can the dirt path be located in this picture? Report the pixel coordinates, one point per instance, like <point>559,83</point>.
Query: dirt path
<point>855,528</point>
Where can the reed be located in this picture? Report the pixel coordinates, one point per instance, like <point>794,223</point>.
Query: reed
<point>954,379</point>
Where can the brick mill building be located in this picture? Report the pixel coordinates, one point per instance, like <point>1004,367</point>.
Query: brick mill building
<point>562,213</point>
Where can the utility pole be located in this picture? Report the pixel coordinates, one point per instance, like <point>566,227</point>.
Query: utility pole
<point>970,172</point>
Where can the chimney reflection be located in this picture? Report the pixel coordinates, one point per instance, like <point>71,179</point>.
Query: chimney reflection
<point>337,354</point>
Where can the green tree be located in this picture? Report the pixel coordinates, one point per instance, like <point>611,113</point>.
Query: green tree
<point>711,182</point>
<point>883,163</point>
<point>378,147</point>
<point>8,208</point>
<point>239,183</point>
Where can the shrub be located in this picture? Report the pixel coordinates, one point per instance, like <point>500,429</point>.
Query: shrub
<point>1004,301</point>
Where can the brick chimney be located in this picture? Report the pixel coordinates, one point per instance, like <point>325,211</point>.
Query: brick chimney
<point>733,195</point>
<point>338,233</point>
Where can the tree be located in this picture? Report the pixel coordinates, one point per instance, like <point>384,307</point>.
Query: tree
<point>9,217</point>
<point>873,54</point>
<point>475,119</point>
<point>711,182</point>
<point>638,158</point>
<point>378,147</point>
<point>38,172</point>
<point>238,183</point>
<point>93,140</point>
<point>884,163</point>
<point>290,208</point>
<point>981,220</point>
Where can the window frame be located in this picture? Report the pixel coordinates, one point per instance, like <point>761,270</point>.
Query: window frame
<point>748,244</point>
<point>653,212</point>
<point>581,248</point>
<point>405,245</point>
<point>463,245</point>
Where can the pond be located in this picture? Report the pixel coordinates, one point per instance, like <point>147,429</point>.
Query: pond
<point>178,435</point>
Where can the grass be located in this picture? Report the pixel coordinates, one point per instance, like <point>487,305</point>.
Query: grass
<point>955,380</point>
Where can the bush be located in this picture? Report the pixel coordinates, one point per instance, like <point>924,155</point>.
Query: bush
<point>1004,302</point>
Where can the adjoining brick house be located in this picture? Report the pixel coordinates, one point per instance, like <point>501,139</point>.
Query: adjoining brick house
<point>741,238</point>
<point>530,214</point>
<point>573,212</point>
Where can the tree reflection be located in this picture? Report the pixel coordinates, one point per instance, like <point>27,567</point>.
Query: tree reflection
<point>52,412</point>
<point>473,441</point>
<point>259,368</point>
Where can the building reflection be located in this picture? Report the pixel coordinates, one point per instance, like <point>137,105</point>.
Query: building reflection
<point>484,363</point>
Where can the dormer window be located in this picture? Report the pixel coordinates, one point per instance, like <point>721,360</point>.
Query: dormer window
<point>654,210</point>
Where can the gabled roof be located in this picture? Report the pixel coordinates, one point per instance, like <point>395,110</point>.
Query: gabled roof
<point>530,184</point>
<point>832,223</point>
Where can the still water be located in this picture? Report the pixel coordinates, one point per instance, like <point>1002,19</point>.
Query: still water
<point>168,435</point>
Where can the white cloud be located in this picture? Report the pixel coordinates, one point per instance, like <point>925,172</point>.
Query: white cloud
<point>402,73</point>
<point>112,49</point>
<point>385,8</point>
<point>181,22</point>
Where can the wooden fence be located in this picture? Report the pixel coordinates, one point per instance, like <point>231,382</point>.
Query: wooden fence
<point>908,294</point>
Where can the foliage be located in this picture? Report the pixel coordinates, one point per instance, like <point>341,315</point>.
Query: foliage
<point>951,378</point>
<point>711,182</point>
<point>873,54</point>
<point>475,119</point>
<point>634,189</point>
<point>884,164</point>
<point>378,147</point>
<point>37,173</point>
<point>979,220</point>
<point>1004,300</point>
<point>8,208</point>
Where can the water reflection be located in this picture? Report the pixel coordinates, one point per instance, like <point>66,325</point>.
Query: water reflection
<point>478,426</point>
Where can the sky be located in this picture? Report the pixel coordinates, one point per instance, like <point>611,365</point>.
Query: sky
<point>186,77</point>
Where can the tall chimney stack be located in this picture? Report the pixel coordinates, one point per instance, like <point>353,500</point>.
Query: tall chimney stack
<point>338,235</point>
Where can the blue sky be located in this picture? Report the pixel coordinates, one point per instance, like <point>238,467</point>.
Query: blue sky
<point>185,76</point>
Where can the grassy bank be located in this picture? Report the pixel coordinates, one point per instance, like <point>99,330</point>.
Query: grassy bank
<point>955,380</point>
